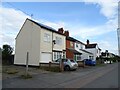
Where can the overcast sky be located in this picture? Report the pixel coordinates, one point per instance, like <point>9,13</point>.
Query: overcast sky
<point>95,20</point>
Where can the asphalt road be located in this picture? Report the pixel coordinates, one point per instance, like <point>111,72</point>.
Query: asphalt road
<point>90,77</point>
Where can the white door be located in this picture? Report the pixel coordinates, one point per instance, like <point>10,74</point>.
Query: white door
<point>46,57</point>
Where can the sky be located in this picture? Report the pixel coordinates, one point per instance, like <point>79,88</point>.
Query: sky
<point>96,20</point>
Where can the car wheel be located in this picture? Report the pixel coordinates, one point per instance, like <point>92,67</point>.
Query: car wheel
<point>67,68</point>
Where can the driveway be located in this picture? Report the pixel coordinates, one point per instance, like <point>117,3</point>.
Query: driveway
<point>80,78</point>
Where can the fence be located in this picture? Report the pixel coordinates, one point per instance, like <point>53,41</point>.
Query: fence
<point>53,66</point>
<point>81,63</point>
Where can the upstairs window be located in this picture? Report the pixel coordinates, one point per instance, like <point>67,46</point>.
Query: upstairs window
<point>58,41</point>
<point>76,45</point>
<point>71,44</point>
<point>81,46</point>
<point>46,37</point>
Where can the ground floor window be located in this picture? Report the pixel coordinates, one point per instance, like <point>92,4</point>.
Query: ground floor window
<point>91,57</point>
<point>64,54</point>
<point>57,55</point>
<point>77,57</point>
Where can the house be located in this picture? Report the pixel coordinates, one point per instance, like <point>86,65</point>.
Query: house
<point>93,48</point>
<point>107,54</point>
<point>75,49</point>
<point>43,43</point>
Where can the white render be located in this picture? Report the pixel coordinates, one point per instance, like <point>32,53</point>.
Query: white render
<point>62,46</point>
<point>31,39</point>
<point>81,48</point>
<point>96,52</point>
<point>28,40</point>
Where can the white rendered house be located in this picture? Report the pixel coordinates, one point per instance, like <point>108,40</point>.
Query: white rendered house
<point>43,43</point>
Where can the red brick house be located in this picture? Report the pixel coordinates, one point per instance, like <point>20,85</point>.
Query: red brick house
<point>71,53</point>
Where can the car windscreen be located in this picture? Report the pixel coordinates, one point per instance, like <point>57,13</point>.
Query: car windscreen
<point>72,60</point>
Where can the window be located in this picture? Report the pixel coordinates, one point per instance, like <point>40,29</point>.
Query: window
<point>81,46</point>
<point>71,44</point>
<point>77,57</point>
<point>58,40</point>
<point>46,37</point>
<point>57,55</point>
<point>76,45</point>
<point>91,57</point>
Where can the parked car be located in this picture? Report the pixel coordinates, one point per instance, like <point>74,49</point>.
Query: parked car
<point>69,64</point>
<point>90,62</point>
<point>108,62</point>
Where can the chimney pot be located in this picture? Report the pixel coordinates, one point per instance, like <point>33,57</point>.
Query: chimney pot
<point>66,33</point>
<point>61,30</point>
<point>88,42</point>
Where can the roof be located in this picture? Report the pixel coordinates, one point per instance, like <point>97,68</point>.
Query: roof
<point>86,51</point>
<point>91,45</point>
<point>74,51</point>
<point>45,26</point>
<point>74,40</point>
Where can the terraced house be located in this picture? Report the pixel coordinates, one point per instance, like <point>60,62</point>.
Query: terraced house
<point>93,48</point>
<point>43,43</point>
<point>75,49</point>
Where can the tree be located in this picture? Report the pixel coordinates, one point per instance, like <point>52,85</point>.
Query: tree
<point>6,53</point>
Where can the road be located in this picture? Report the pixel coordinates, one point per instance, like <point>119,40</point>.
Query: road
<point>90,77</point>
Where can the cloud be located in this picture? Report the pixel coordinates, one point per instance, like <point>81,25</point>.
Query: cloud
<point>87,32</point>
<point>108,7</point>
<point>55,25</point>
<point>108,45</point>
<point>11,22</point>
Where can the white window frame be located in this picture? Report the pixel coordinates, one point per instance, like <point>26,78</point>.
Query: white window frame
<point>58,40</point>
<point>57,55</point>
<point>46,37</point>
<point>71,44</point>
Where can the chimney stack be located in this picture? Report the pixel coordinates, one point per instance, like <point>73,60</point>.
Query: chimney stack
<point>66,33</point>
<point>61,30</point>
<point>88,42</point>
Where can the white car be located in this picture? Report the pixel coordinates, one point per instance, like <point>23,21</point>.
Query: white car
<point>107,62</point>
<point>69,64</point>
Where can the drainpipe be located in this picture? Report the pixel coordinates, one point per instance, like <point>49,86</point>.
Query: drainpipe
<point>52,46</point>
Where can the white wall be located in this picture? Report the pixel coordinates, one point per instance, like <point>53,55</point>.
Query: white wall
<point>63,44</point>
<point>80,46</point>
<point>45,46</point>
<point>94,51</point>
<point>28,40</point>
<point>84,56</point>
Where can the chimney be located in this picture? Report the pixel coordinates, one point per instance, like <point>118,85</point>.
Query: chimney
<point>66,33</point>
<point>61,30</point>
<point>87,42</point>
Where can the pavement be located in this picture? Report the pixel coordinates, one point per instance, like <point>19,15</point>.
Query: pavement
<point>89,77</point>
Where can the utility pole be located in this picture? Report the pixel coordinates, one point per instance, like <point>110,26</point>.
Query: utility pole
<point>118,30</point>
<point>118,34</point>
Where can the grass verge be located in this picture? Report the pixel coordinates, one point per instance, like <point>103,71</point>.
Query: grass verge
<point>26,76</point>
<point>11,71</point>
<point>52,69</point>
